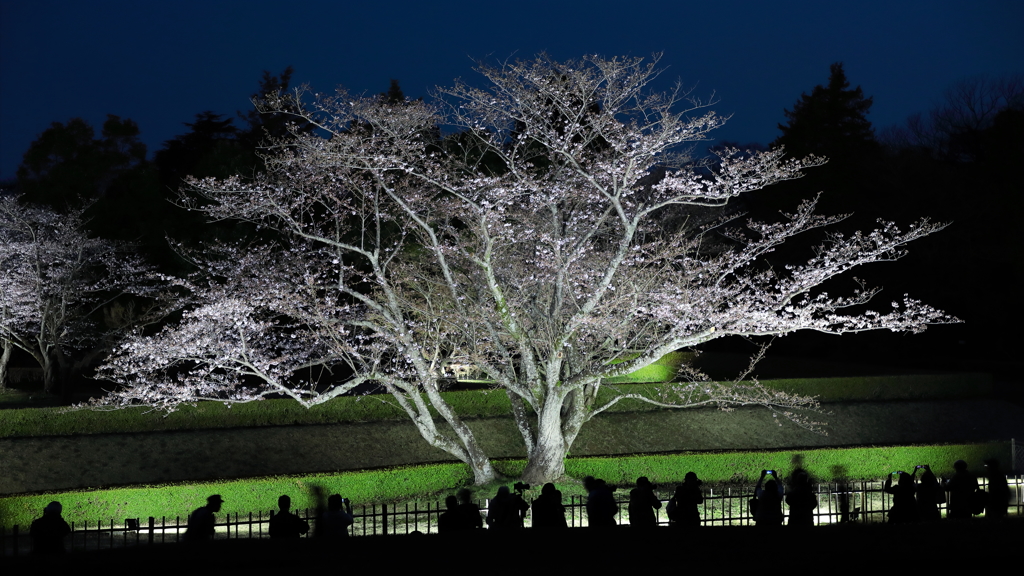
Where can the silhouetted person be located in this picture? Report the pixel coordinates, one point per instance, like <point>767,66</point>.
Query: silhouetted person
<point>548,511</point>
<point>333,522</point>
<point>201,522</point>
<point>769,500</point>
<point>998,490</point>
<point>961,488</point>
<point>642,504</point>
<point>801,499</point>
<point>904,507</point>
<point>928,495</point>
<point>505,511</point>
<point>469,512</point>
<point>49,530</point>
<point>450,521</point>
<point>286,525</point>
<point>601,506</point>
<point>683,509</point>
<point>842,491</point>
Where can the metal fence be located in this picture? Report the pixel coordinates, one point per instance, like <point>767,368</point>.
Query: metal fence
<point>858,502</point>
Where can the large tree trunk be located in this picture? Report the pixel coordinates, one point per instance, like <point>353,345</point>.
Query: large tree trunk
<point>65,369</point>
<point>5,357</point>
<point>547,460</point>
<point>50,375</point>
<point>483,471</point>
<point>463,446</point>
<point>547,463</point>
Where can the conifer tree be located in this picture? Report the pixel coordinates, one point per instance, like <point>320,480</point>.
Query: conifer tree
<point>830,121</point>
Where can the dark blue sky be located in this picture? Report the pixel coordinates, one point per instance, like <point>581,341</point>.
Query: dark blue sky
<point>160,63</point>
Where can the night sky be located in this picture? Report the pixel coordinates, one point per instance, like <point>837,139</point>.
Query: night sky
<point>160,63</point>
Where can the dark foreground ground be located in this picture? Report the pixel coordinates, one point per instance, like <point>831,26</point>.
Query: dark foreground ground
<point>953,545</point>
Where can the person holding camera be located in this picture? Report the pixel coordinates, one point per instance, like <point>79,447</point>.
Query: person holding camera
<point>768,497</point>
<point>904,507</point>
<point>548,511</point>
<point>333,523</point>
<point>683,509</point>
<point>506,510</point>
<point>928,494</point>
<point>961,488</point>
<point>642,504</point>
<point>601,506</point>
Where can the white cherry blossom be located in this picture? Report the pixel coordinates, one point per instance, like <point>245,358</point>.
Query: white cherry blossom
<point>534,246</point>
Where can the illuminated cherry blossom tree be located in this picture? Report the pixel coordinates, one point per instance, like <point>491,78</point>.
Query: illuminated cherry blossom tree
<point>59,289</point>
<point>559,239</point>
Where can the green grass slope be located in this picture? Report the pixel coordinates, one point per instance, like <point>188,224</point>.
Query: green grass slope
<point>430,482</point>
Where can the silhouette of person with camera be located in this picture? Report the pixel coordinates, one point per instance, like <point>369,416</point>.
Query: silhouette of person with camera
<point>904,506</point>
<point>548,511</point>
<point>768,507</point>
<point>642,505</point>
<point>683,509</point>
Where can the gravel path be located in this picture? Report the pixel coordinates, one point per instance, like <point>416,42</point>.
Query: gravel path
<point>59,462</point>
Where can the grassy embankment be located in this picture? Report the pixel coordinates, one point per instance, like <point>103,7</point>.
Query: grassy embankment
<point>245,495</point>
<point>471,404</point>
<point>430,482</point>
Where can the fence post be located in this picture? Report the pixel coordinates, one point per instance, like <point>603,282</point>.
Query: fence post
<point>14,535</point>
<point>1013,456</point>
<point>384,519</point>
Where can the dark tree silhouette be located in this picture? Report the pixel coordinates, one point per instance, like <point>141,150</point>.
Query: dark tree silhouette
<point>67,165</point>
<point>969,145</point>
<point>394,95</point>
<point>210,148</point>
<point>961,128</point>
<point>830,121</point>
<point>265,125</point>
